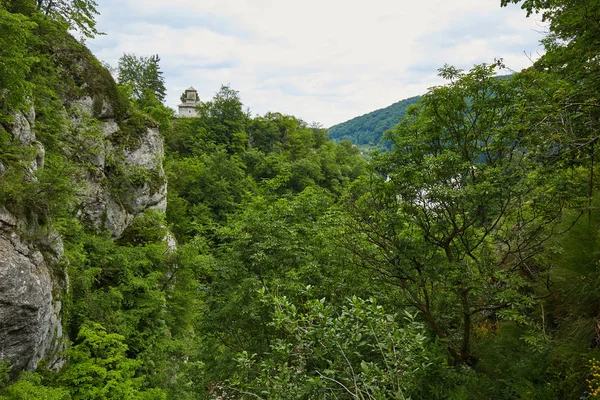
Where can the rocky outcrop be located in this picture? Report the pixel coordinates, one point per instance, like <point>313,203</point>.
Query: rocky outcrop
<point>30,326</point>
<point>122,177</point>
<point>126,179</point>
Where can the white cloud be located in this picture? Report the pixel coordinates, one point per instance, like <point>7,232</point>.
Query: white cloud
<point>321,60</point>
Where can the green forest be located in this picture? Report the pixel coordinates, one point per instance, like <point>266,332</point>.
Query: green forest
<point>369,129</point>
<point>461,262</point>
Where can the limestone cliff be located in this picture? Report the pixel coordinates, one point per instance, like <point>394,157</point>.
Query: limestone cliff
<point>30,326</point>
<point>118,153</point>
<point>125,178</point>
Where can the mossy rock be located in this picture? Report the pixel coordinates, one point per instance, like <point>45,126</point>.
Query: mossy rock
<point>132,130</point>
<point>83,75</point>
<point>124,180</point>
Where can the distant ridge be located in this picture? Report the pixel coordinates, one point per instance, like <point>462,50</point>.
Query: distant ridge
<point>369,128</point>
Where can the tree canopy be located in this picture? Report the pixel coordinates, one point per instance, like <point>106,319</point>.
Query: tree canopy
<point>143,76</point>
<point>77,14</point>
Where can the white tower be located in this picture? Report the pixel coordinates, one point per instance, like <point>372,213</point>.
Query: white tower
<point>187,109</point>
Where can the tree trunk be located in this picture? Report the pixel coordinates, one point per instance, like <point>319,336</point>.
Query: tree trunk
<point>465,348</point>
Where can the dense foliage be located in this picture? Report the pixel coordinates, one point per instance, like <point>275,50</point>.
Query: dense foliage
<point>462,263</point>
<point>143,76</point>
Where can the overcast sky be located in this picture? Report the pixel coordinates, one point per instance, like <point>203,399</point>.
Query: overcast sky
<point>324,61</point>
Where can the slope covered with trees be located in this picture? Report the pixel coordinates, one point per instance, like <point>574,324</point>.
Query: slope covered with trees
<point>368,129</point>
<point>462,263</point>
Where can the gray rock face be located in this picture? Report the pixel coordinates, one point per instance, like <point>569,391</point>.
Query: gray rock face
<point>22,131</point>
<point>22,127</point>
<point>31,281</point>
<point>30,326</point>
<point>149,156</point>
<point>113,208</point>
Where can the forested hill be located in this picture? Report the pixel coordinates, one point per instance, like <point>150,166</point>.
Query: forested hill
<point>369,128</point>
